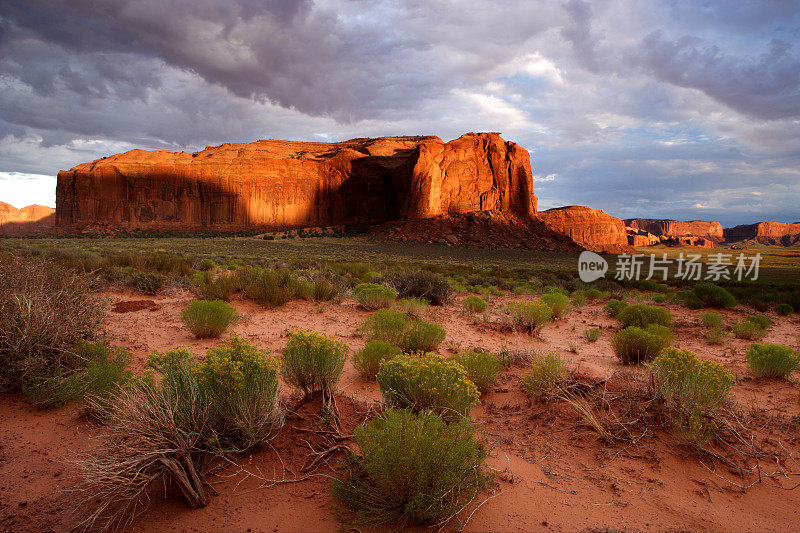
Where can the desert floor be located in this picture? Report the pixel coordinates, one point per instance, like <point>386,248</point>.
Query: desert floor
<point>553,472</point>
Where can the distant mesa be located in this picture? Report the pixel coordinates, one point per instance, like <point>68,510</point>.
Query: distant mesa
<point>30,220</point>
<point>775,233</point>
<point>676,228</point>
<point>591,228</point>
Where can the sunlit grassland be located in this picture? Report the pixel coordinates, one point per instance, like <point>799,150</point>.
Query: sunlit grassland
<point>778,265</point>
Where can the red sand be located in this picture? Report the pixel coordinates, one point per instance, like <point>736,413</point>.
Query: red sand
<point>552,474</point>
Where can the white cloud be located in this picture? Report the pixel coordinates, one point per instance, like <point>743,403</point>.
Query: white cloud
<point>21,189</point>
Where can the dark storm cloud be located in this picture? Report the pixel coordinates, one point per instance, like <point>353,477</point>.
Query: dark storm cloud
<point>620,101</point>
<point>764,86</point>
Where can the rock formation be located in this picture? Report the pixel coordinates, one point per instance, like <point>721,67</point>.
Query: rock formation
<point>677,228</point>
<point>776,233</point>
<point>593,229</point>
<point>277,184</point>
<point>638,237</point>
<point>32,219</point>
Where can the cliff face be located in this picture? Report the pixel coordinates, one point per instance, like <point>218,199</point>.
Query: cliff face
<point>593,229</point>
<point>271,184</point>
<point>778,233</point>
<point>31,219</point>
<point>677,228</point>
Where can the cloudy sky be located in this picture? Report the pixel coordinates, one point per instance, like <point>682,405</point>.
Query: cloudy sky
<point>674,109</point>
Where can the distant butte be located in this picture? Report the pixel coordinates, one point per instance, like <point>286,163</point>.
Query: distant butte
<point>32,219</point>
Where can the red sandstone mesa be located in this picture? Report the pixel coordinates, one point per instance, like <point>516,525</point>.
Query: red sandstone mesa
<point>593,229</point>
<point>778,233</point>
<point>31,219</point>
<point>677,228</point>
<point>276,184</point>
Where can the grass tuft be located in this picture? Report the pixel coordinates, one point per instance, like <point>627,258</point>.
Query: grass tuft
<point>209,319</point>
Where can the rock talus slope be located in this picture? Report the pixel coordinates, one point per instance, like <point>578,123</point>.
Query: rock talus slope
<point>278,184</point>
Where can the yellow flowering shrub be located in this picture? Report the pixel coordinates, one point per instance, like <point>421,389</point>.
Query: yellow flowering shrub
<point>313,362</point>
<point>236,382</point>
<point>482,367</point>
<point>427,382</point>
<point>545,374</point>
<point>693,388</point>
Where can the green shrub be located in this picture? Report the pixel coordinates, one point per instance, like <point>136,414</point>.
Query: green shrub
<point>592,334</point>
<point>44,310</point>
<point>371,296</point>
<point>241,383</point>
<point>369,359</point>
<point>651,286</point>
<point>95,369</point>
<point>422,284</point>
<point>529,316</point>
<point>595,294</point>
<point>413,468</point>
<point>771,360</point>
<point>482,367</point>
<point>558,303</point>
<point>146,282</point>
<point>427,382</point>
<point>209,318</point>
<point>615,307</point>
<point>385,325</point>
<point>762,321</point>
<point>422,336</point>
<point>689,299</point>
<point>692,388</point>
<point>324,290</point>
<point>710,295</point>
<point>474,304</point>
<point>636,345</point>
<point>206,264</point>
<point>641,316</point>
<point>545,374</point>
<point>313,362</point>
<point>747,329</point>
<point>550,289</point>
<point>579,300</point>
<point>270,288</point>
<point>413,306</point>
<point>716,336</point>
<point>215,288</point>
<point>784,309</point>
<point>711,319</point>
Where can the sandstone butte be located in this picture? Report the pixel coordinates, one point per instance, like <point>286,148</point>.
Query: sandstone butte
<point>777,233</point>
<point>677,228</point>
<point>271,184</point>
<point>31,219</point>
<point>588,227</point>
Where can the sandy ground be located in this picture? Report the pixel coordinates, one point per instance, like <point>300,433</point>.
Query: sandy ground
<point>552,474</point>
